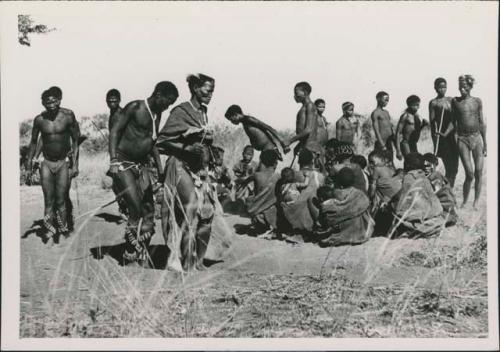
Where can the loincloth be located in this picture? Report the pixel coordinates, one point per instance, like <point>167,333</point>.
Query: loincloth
<point>472,140</point>
<point>55,166</point>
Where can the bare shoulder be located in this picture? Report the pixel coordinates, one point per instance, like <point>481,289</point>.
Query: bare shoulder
<point>37,119</point>
<point>132,106</point>
<point>478,100</point>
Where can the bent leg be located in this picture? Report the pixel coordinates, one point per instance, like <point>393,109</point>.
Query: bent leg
<point>464,152</point>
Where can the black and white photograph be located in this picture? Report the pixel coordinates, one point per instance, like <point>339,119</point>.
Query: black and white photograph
<point>249,175</point>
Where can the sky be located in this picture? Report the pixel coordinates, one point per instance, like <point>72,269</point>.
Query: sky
<point>256,52</point>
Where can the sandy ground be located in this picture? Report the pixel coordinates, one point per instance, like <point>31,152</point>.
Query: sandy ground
<point>79,271</point>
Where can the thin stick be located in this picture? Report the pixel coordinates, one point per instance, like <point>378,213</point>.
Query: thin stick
<point>98,129</point>
<point>439,131</point>
<point>293,160</point>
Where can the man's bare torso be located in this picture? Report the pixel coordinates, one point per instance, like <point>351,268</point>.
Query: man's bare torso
<point>346,129</point>
<point>113,117</point>
<point>412,125</point>
<point>136,142</point>
<point>56,133</point>
<point>312,139</point>
<point>384,123</point>
<point>322,134</point>
<point>261,179</point>
<point>466,113</point>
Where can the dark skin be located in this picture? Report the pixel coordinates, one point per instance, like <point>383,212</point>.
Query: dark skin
<point>468,118</point>
<point>113,103</point>
<point>59,131</point>
<point>408,130</point>
<point>186,188</point>
<point>347,126</point>
<point>261,135</point>
<point>131,136</point>
<point>306,125</point>
<point>382,125</point>
<point>322,124</point>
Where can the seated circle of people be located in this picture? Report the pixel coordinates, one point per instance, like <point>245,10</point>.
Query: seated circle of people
<point>332,196</point>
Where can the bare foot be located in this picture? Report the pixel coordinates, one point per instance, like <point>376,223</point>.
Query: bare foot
<point>462,206</point>
<point>201,267</point>
<point>474,205</point>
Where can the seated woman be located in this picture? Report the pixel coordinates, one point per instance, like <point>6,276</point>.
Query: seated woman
<point>418,212</point>
<point>343,158</point>
<point>296,215</point>
<point>289,187</point>
<point>343,212</point>
<point>442,188</point>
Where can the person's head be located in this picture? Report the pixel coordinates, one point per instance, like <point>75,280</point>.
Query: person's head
<point>324,193</point>
<point>440,86</point>
<point>360,160</point>
<point>50,101</point>
<point>56,91</point>
<point>344,178</point>
<point>413,161</point>
<point>320,105</point>
<point>465,84</point>
<point>201,87</point>
<point>113,98</point>
<point>413,103</point>
<point>164,95</point>
<point>287,175</point>
<point>269,158</point>
<point>343,152</point>
<point>348,109</point>
<point>218,154</point>
<point>382,99</point>
<point>248,153</point>
<point>302,91</point>
<point>430,163</point>
<point>234,114</point>
<point>306,158</point>
<point>376,158</point>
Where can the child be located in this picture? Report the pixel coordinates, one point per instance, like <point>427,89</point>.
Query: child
<point>244,168</point>
<point>442,188</point>
<point>409,128</point>
<point>289,187</point>
<point>219,172</point>
<point>347,126</point>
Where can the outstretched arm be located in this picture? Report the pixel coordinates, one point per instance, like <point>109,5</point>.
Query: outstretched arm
<point>263,126</point>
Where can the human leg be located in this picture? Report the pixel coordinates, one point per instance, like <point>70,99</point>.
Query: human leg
<point>464,153</point>
<point>62,189</point>
<point>47,181</point>
<point>478,156</point>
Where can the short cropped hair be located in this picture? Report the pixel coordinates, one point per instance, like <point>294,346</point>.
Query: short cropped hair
<point>248,147</point>
<point>430,157</point>
<point>319,101</point>
<point>55,91</point>
<point>412,99</point>
<point>468,79</point>
<point>197,80</point>
<point>347,105</point>
<point>378,153</point>
<point>324,192</point>
<point>306,87</point>
<point>113,93</point>
<point>268,157</point>
<point>287,173</point>
<point>48,93</point>
<point>166,88</point>
<point>306,157</point>
<point>381,94</point>
<point>233,110</point>
<point>344,178</point>
<point>360,160</point>
<point>413,161</point>
<point>438,81</point>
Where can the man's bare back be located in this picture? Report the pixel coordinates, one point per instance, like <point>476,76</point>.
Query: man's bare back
<point>261,179</point>
<point>303,122</point>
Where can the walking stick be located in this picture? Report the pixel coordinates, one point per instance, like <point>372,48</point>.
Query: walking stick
<point>436,148</point>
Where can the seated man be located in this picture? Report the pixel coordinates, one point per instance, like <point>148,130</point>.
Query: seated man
<point>262,206</point>
<point>442,188</point>
<point>242,169</point>
<point>418,212</point>
<point>344,212</point>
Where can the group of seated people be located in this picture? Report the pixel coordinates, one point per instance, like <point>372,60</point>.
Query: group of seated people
<point>346,202</point>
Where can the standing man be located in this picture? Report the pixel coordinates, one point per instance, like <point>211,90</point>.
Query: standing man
<point>347,126</point>
<point>59,133</point>
<point>471,135</point>
<point>382,125</point>
<point>188,207</point>
<point>113,99</point>
<point>441,122</point>
<point>322,123</point>
<point>409,128</point>
<point>131,142</point>
<point>306,125</point>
